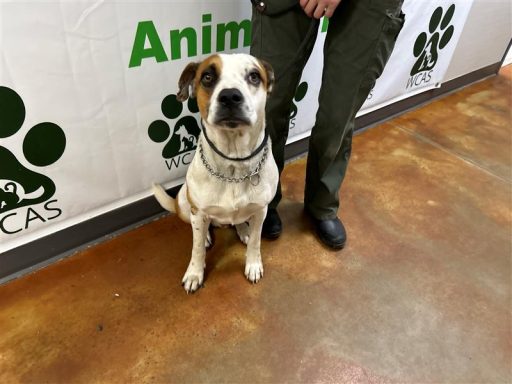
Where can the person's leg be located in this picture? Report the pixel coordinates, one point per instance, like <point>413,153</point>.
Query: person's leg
<point>277,39</point>
<point>359,41</point>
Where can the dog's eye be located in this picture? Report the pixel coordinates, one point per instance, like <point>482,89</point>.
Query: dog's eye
<point>207,79</point>
<point>254,78</point>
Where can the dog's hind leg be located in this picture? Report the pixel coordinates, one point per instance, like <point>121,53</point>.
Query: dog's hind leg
<point>243,232</point>
<point>253,264</point>
<point>210,238</point>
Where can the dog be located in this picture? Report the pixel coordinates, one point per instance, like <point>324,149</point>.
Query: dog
<point>233,176</point>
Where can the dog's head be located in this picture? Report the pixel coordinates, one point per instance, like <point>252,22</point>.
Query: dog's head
<point>231,90</point>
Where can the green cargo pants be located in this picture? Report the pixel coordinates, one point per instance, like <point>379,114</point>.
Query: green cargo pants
<point>359,41</point>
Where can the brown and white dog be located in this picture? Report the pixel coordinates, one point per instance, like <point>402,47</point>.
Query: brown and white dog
<point>233,175</point>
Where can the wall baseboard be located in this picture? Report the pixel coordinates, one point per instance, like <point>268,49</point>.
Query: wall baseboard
<point>44,251</point>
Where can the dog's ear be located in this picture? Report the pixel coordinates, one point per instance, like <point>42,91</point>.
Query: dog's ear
<point>270,75</point>
<point>186,81</point>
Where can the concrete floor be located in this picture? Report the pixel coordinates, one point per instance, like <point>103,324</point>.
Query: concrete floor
<point>421,293</point>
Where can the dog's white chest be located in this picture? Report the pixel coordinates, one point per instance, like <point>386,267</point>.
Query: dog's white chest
<point>228,202</point>
<point>234,203</point>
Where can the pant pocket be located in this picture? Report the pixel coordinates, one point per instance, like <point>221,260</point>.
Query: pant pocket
<point>384,46</point>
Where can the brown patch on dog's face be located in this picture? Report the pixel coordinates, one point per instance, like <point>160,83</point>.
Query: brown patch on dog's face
<point>231,90</point>
<point>207,76</point>
<point>267,75</point>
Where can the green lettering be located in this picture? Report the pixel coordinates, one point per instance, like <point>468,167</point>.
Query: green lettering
<point>177,36</point>
<point>207,34</point>
<point>325,25</point>
<point>234,29</point>
<point>146,29</point>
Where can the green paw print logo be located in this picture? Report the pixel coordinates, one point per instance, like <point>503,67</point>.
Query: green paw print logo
<point>183,137</point>
<point>43,145</point>
<point>300,93</point>
<point>427,49</point>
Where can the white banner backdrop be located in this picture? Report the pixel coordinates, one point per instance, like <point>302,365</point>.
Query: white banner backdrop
<point>88,114</point>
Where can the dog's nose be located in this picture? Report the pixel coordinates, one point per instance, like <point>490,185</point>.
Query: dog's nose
<point>230,97</point>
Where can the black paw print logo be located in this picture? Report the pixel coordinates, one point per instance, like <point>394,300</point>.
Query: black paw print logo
<point>185,132</point>
<point>300,93</point>
<point>43,145</point>
<point>425,49</point>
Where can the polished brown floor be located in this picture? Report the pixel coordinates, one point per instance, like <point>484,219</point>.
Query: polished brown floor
<point>421,293</point>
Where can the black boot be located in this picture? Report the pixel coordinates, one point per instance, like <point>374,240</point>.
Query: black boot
<point>331,232</point>
<point>272,226</point>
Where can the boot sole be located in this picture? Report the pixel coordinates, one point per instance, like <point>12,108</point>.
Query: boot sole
<point>329,243</point>
<point>271,236</point>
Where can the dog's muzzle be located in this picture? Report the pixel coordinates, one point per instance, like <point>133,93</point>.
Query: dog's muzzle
<point>230,108</point>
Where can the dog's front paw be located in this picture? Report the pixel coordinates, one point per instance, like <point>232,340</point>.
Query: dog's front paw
<point>254,271</point>
<point>192,281</point>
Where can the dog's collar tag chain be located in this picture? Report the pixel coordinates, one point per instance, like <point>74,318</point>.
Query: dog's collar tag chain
<point>253,177</point>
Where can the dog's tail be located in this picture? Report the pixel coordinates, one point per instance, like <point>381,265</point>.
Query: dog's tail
<point>166,201</point>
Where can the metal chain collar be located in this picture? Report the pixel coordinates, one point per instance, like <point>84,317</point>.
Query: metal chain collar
<point>241,179</point>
